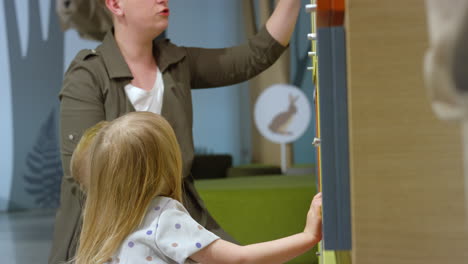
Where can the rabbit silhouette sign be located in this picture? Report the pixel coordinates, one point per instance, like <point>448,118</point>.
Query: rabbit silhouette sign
<point>282,113</point>
<point>281,121</point>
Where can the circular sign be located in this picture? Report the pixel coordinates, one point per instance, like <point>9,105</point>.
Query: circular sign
<point>282,113</point>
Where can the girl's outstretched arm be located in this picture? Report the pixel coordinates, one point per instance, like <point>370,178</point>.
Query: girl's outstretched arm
<point>272,252</point>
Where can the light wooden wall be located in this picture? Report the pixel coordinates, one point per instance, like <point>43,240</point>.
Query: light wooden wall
<point>407,193</point>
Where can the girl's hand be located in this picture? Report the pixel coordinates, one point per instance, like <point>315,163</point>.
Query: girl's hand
<point>314,218</point>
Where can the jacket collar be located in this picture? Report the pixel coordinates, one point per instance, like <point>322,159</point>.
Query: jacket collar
<point>164,51</point>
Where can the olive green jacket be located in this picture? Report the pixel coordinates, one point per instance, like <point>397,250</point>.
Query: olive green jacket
<point>93,90</point>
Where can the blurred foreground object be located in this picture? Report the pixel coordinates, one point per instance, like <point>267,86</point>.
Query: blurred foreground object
<point>446,60</point>
<point>446,65</point>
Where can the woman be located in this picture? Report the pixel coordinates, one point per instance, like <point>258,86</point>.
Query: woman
<point>130,71</point>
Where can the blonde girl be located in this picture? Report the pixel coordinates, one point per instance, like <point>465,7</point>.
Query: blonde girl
<point>133,211</point>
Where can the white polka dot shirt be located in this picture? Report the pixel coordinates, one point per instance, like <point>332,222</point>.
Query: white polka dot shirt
<point>168,234</point>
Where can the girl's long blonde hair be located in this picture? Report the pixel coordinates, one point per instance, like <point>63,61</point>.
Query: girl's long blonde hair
<point>79,163</point>
<point>133,159</point>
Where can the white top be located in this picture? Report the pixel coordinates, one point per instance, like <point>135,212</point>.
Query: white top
<point>147,101</point>
<point>167,235</point>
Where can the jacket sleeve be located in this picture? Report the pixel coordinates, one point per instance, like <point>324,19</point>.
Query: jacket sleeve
<point>227,66</point>
<point>82,106</point>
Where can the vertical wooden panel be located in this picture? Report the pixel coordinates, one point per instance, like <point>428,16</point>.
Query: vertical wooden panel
<point>406,166</point>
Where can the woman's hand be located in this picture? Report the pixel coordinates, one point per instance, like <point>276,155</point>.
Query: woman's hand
<point>314,218</point>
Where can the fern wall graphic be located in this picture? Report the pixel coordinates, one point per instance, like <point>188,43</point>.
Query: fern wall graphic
<point>43,166</point>
<point>35,83</point>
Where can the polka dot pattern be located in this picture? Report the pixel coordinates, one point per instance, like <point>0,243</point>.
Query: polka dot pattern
<point>164,234</point>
